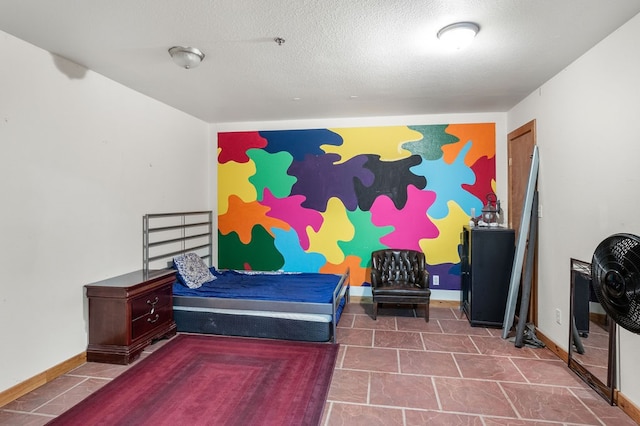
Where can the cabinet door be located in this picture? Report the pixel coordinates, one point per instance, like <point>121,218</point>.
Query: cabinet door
<point>465,271</point>
<point>491,261</point>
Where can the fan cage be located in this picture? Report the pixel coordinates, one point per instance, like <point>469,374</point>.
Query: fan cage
<point>615,272</point>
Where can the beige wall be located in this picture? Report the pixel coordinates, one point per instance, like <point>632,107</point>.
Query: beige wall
<point>588,131</point>
<point>82,159</point>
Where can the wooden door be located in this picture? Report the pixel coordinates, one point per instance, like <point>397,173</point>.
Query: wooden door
<point>520,143</point>
<point>519,150</point>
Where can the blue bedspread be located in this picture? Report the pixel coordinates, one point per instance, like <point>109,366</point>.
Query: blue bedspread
<point>303,287</point>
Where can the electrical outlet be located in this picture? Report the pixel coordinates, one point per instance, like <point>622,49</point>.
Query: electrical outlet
<point>558,316</point>
<point>436,280</point>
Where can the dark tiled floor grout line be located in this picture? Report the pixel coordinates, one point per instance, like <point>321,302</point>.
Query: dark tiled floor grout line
<point>479,353</point>
<point>58,396</point>
<point>471,379</point>
<point>403,409</point>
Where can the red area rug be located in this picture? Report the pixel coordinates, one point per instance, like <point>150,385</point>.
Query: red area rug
<point>215,380</point>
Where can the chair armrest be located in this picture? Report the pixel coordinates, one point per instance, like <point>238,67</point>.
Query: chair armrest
<point>376,279</point>
<point>424,279</point>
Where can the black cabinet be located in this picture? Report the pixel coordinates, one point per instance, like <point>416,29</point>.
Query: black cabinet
<point>486,258</point>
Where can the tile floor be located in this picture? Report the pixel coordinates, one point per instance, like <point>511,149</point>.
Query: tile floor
<point>400,370</point>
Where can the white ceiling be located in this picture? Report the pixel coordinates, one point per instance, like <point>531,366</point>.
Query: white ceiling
<point>341,58</point>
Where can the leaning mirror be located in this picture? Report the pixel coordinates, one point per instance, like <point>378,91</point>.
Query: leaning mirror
<point>591,334</point>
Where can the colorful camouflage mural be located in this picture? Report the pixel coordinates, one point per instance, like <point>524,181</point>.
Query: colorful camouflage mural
<point>322,200</point>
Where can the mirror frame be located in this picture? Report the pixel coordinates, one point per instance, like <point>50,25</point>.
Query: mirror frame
<point>604,390</point>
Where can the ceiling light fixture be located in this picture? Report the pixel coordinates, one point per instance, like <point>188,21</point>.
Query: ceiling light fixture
<point>458,35</point>
<point>186,57</point>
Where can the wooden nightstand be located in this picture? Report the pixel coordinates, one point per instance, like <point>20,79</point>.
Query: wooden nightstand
<point>128,312</point>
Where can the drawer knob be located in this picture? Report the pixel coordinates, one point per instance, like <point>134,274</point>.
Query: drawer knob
<point>154,319</point>
<point>154,301</point>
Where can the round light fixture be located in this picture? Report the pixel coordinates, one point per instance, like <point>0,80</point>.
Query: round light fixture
<point>458,35</point>
<point>186,57</point>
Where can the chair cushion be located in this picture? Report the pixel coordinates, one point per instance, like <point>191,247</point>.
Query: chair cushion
<point>400,288</point>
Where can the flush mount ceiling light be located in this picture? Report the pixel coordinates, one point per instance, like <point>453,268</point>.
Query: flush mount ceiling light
<point>458,35</point>
<point>186,57</point>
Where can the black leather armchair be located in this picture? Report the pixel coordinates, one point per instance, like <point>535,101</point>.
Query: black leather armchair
<point>399,277</point>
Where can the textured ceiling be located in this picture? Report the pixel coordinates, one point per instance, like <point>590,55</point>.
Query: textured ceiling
<point>341,58</point>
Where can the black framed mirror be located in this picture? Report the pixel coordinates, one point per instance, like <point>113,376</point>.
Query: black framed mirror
<point>592,339</point>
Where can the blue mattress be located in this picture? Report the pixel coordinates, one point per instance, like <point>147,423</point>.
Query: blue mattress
<point>286,287</point>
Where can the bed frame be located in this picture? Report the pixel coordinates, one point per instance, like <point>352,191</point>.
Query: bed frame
<point>170,234</point>
<point>166,235</point>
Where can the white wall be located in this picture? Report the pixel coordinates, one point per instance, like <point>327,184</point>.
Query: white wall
<point>82,159</point>
<point>588,133</point>
<point>501,143</point>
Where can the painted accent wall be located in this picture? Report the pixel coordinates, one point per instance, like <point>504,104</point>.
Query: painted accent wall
<point>82,159</point>
<point>589,179</point>
<point>321,200</point>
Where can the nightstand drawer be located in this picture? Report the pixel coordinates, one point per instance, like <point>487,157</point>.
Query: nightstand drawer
<point>143,305</point>
<point>160,316</point>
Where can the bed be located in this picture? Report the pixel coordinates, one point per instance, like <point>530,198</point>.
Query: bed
<point>301,306</point>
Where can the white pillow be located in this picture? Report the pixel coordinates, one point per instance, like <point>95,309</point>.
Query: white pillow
<point>193,270</point>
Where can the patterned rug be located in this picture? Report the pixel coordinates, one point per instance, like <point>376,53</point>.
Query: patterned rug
<point>215,380</point>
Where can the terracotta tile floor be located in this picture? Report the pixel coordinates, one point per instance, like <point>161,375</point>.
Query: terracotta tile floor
<point>400,370</point>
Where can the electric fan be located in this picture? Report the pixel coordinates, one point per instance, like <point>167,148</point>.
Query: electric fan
<point>615,276</point>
